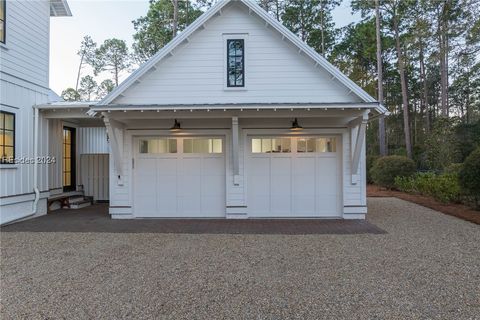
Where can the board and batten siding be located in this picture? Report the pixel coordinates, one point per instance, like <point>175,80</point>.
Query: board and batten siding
<point>92,140</point>
<point>25,54</point>
<point>94,175</point>
<point>275,71</point>
<point>19,99</point>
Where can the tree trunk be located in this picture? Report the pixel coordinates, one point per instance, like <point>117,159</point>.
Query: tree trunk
<point>424,99</point>
<point>277,5</point>
<point>322,32</point>
<point>443,56</point>
<point>175,17</point>
<point>403,83</point>
<point>381,119</point>
<point>79,71</point>
<point>116,76</point>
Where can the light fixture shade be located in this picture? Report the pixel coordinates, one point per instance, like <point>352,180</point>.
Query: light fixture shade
<point>176,126</point>
<point>295,126</point>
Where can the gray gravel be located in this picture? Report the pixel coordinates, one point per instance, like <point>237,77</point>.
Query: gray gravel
<point>426,267</point>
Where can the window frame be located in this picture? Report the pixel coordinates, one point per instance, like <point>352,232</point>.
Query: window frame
<point>294,144</point>
<point>226,38</point>
<point>4,22</point>
<point>2,146</point>
<point>242,56</point>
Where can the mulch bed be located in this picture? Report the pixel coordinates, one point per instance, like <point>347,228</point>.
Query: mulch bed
<point>452,209</point>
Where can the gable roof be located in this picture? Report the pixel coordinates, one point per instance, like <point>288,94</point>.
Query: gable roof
<point>255,8</point>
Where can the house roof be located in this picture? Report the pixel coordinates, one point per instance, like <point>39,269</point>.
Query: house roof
<point>273,23</point>
<point>59,8</point>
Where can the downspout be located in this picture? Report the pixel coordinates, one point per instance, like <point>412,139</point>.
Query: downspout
<point>35,171</point>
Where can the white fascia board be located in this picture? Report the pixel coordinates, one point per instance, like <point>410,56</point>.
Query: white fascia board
<point>219,107</point>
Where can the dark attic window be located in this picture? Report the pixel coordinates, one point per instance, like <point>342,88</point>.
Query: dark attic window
<point>235,63</point>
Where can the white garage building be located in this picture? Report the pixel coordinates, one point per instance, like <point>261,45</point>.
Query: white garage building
<point>237,118</point>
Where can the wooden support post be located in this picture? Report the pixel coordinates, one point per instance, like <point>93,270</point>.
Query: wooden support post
<point>235,151</point>
<point>114,130</point>
<point>360,125</point>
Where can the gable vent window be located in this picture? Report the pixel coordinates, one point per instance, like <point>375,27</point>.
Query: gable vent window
<point>235,63</point>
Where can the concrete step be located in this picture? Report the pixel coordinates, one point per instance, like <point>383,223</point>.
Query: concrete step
<point>75,199</point>
<point>80,204</point>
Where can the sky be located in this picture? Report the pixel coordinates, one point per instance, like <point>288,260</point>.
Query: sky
<point>104,19</point>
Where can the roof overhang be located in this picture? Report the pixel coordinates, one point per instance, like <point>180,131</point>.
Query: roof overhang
<point>374,106</point>
<point>59,8</point>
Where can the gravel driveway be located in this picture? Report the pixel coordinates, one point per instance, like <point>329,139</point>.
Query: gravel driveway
<point>427,266</point>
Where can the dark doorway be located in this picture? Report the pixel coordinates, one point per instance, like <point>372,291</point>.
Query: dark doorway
<point>69,159</point>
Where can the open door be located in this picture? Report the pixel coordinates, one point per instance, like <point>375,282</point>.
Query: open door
<point>69,157</point>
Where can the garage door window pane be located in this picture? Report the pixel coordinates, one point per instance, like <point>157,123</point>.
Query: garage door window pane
<point>216,145</point>
<point>158,146</point>
<point>326,145</point>
<point>286,145</point>
<point>266,145</point>
<point>271,145</point>
<point>256,145</point>
<point>202,145</point>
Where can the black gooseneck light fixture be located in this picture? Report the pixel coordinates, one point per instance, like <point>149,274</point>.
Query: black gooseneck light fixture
<point>176,126</point>
<point>295,126</point>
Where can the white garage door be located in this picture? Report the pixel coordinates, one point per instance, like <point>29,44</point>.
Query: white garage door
<point>179,177</point>
<point>294,177</point>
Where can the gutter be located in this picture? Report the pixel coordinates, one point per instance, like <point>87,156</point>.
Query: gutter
<point>35,172</point>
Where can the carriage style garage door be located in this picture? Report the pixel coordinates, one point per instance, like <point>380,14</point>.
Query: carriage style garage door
<point>294,177</point>
<point>179,177</point>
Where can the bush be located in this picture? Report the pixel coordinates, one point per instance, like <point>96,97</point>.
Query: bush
<point>469,175</point>
<point>454,168</point>
<point>370,161</point>
<point>443,187</point>
<point>386,169</point>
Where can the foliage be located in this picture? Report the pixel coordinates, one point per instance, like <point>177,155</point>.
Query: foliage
<point>442,145</point>
<point>371,158</point>
<point>88,86</point>
<point>70,94</point>
<point>105,87</point>
<point>386,169</point>
<point>154,30</point>
<point>469,175</point>
<point>443,187</point>
<point>113,56</point>
<point>87,55</point>
<point>312,22</point>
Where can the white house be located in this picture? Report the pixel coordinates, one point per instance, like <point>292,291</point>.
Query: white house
<point>235,118</point>
<point>26,132</point>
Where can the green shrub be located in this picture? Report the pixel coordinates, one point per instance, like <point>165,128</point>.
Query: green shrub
<point>443,187</point>
<point>454,168</point>
<point>370,161</point>
<point>386,169</point>
<point>469,175</point>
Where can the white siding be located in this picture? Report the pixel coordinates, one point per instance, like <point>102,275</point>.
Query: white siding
<point>20,99</point>
<point>275,71</point>
<point>55,142</point>
<point>94,175</point>
<point>26,52</point>
<point>92,140</point>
